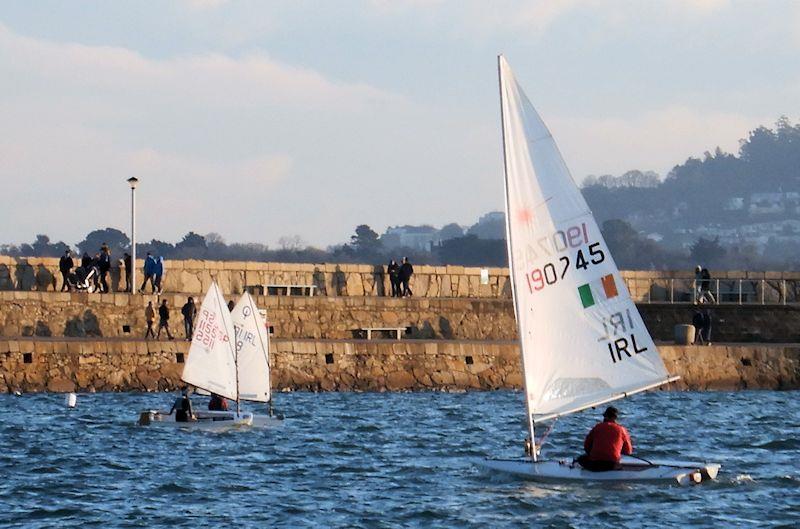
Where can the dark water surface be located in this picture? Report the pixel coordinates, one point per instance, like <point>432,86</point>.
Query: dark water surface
<point>386,460</point>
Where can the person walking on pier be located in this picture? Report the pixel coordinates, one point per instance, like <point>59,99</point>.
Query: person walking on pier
<point>149,273</point>
<point>163,320</point>
<point>189,310</point>
<point>65,265</point>
<point>150,318</point>
<point>406,271</point>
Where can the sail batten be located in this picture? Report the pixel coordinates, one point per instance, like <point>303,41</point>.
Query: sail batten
<point>582,339</point>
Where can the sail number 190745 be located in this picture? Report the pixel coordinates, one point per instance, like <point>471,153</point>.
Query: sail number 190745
<point>550,273</point>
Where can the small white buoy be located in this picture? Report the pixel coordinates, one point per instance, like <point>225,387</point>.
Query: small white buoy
<point>17,393</point>
<point>71,400</point>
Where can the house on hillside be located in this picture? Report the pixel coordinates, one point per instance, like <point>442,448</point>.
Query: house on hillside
<point>417,237</point>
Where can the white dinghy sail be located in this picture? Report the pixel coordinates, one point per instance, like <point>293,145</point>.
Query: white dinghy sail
<point>252,350</point>
<point>211,364</point>
<point>582,339</point>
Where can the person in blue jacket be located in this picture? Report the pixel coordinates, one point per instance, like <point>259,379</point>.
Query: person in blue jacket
<point>159,273</point>
<point>149,273</point>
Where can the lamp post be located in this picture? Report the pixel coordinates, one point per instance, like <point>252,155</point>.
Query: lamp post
<point>132,181</point>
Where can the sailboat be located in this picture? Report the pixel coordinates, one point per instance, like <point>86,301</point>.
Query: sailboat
<point>212,366</point>
<point>582,339</point>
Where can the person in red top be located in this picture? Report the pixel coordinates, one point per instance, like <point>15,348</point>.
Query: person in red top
<point>606,443</point>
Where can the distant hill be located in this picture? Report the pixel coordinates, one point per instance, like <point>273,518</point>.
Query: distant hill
<point>750,197</point>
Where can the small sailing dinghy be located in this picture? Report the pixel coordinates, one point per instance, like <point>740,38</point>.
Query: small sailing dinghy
<point>582,339</point>
<point>211,366</point>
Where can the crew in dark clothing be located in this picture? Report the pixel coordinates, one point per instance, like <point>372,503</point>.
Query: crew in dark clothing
<point>189,310</point>
<point>217,403</point>
<point>406,271</point>
<point>126,262</point>
<point>65,265</point>
<point>183,407</point>
<point>104,265</point>
<point>394,277</point>
<point>605,444</point>
<point>86,262</point>
<point>163,320</point>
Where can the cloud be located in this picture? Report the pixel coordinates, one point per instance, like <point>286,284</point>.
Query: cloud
<point>656,140</point>
<point>206,134</point>
<point>204,4</point>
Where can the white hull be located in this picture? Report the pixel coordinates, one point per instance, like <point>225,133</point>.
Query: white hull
<point>206,420</point>
<point>632,471</point>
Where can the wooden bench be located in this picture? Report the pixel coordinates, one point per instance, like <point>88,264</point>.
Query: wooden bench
<point>280,290</point>
<point>369,330</point>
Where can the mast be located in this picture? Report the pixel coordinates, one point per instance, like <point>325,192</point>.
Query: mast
<point>509,247</point>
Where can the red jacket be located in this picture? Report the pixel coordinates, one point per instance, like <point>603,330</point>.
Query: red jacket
<point>607,442</point>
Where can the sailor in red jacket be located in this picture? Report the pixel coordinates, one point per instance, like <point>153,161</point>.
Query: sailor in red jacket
<point>606,443</point>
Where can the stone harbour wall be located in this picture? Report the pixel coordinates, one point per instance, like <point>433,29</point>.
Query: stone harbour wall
<point>193,277</point>
<point>49,314</point>
<point>118,365</point>
<point>108,315</point>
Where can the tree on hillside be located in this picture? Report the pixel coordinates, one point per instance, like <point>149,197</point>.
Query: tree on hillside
<point>116,240</point>
<point>365,241</point>
<point>633,251</point>
<point>192,246</point>
<point>451,231</point>
<point>707,252</point>
<point>472,251</point>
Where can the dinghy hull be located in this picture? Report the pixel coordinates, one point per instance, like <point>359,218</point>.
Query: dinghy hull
<point>632,471</point>
<point>206,420</point>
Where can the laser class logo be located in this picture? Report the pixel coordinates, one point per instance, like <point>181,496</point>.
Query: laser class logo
<point>598,290</point>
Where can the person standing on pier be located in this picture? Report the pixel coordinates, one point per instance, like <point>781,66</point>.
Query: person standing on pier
<point>163,320</point>
<point>159,273</point>
<point>394,277</point>
<point>150,318</point>
<point>104,265</point>
<point>189,310</point>
<point>406,271</point>
<point>126,263</point>
<point>65,265</point>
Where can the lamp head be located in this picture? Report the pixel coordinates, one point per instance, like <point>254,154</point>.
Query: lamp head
<point>133,181</point>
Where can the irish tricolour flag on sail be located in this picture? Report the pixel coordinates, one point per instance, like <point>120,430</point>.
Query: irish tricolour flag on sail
<point>598,291</point>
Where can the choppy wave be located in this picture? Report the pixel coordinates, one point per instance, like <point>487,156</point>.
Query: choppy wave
<point>385,460</point>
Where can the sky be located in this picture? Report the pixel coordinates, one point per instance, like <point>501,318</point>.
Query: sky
<point>257,119</point>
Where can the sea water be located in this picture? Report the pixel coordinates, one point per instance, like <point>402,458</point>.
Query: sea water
<point>387,460</point>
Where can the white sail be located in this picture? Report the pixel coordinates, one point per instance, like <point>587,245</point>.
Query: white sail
<point>583,341</point>
<point>211,364</point>
<point>252,349</point>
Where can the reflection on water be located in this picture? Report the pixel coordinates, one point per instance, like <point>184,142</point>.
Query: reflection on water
<point>386,460</point>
